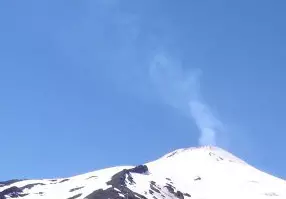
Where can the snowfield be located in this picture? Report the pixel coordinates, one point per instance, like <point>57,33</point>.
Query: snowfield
<point>198,173</point>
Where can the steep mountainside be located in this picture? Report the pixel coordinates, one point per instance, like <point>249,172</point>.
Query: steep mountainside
<point>199,173</point>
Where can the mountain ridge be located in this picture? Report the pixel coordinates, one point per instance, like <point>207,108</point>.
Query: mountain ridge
<point>197,172</point>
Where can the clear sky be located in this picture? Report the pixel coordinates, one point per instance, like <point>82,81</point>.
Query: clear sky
<point>91,84</point>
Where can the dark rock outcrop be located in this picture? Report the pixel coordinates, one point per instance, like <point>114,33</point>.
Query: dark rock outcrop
<point>30,186</point>
<point>13,192</point>
<point>154,187</point>
<point>177,194</point>
<point>75,196</point>
<point>118,182</point>
<point>64,180</point>
<point>75,189</point>
<point>104,194</point>
<point>198,178</point>
<point>9,182</point>
<point>141,169</point>
<point>170,188</point>
<point>91,177</point>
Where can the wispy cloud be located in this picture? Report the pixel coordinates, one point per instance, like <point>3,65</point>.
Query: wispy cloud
<point>130,71</point>
<point>181,89</point>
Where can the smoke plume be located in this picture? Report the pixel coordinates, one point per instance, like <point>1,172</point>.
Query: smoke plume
<point>180,88</point>
<point>128,70</point>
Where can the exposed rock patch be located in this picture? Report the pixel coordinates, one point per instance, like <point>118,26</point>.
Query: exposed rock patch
<point>186,194</point>
<point>118,182</point>
<point>177,194</point>
<point>154,187</point>
<point>91,177</point>
<point>64,180</point>
<point>141,169</point>
<point>15,192</point>
<point>75,196</point>
<point>12,192</point>
<point>75,189</point>
<point>9,182</point>
<point>30,186</point>
<point>197,178</point>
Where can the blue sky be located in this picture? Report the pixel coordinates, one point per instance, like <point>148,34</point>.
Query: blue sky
<point>92,84</point>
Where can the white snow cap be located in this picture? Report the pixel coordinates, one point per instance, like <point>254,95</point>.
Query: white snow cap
<point>199,172</point>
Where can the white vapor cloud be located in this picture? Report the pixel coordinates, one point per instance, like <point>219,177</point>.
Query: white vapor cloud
<point>125,50</point>
<point>208,124</point>
<point>180,88</point>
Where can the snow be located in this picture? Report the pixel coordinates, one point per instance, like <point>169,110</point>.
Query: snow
<point>223,175</point>
<point>55,189</point>
<point>204,173</point>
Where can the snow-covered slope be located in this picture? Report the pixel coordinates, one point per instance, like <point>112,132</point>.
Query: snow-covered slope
<point>199,173</point>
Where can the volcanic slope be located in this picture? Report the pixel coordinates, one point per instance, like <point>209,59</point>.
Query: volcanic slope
<point>198,173</point>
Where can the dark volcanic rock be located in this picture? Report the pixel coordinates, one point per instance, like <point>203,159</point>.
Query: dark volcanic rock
<point>118,181</point>
<point>9,182</point>
<point>186,194</point>
<point>91,177</point>
<point>64,180</point>
<point>172,154</point>
<point>13,192</point>
<point>153,187</point>
<point>179,195</point>
<point>170,188</point>
<point>141,169</point>
<point>198,178</point>
<point>75,189</point>
<point>29,186</point>
<point>75,196</point>
<point>104,194</point>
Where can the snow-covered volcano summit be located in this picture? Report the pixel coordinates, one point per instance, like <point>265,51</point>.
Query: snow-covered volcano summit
<point>199,173</point>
